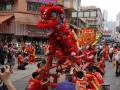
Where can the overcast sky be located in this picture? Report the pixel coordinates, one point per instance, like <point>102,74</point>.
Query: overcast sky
<point>112,6</point>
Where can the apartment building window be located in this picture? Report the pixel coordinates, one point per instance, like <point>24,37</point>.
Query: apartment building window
<point>34,6</point>
<point>6,5</point>
<point>68,14</point>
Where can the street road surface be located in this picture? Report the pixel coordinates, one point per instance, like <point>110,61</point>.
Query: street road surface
<point>20,78</point>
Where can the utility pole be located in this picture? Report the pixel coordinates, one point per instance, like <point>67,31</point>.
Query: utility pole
<point>79,4</point>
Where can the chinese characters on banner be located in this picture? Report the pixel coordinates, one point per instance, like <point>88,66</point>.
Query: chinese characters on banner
<point>36,34</point>
<point>44,1</point>
<point>88,35</point>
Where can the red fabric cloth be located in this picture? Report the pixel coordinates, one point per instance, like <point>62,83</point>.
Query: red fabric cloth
<point>99,77</point>
<point>20,62</point>
<point>82,83</point>
<point>34,84</point>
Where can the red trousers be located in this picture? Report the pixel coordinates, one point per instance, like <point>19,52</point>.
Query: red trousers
<point>31,58</point>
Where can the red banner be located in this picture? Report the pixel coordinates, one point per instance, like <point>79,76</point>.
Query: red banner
<point>88,35</point>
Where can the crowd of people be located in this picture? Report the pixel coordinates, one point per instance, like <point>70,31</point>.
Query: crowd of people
<point>89,78</point>
<point>92,77</point>
<point>23,52</point>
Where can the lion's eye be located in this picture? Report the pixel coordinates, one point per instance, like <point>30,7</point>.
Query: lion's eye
<point>44,12</point>
<point>53,14</point>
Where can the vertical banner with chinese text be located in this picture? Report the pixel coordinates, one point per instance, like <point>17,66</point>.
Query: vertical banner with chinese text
<point>88,35</point>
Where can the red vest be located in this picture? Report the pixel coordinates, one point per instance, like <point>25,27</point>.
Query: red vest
<point>20,62</point>
<point>82,83</point>
<point>94,84</point>
<point>99,77</point>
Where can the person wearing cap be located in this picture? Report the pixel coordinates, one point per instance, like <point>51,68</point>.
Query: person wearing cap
<point>66,85</point>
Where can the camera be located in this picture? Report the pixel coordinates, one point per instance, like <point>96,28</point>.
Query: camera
<point>1,67</point>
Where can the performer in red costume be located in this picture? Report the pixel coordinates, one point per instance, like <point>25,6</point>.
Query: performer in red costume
<point>81,80</point>
<point>26,50</point>
<point>106,52</point>
<point>61,37</point>
<point>31,57</point>
<point>54,25</point>
<point>34,83</point>
<point>97,75</point>
<point>114,55</point>
<point>88,55</point>
<point>21,61</point>
<point>92,80</point>
<point>101,64</point>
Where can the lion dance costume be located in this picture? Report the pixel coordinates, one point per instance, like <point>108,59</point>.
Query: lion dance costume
<point>62,39</point>
<point>54,25</point>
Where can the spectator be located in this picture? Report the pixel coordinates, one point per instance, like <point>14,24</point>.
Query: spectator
<point>5,78</point>
<point>12,53</point>
<point>110,53</point>
<point>66,85</point>
<point>117,58</point>
<point>2,54</point>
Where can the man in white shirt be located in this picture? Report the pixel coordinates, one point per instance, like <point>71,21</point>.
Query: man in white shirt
<point>110,53</point>
<point>117,61</point>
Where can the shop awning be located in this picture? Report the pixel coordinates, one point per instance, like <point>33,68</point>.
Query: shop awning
<point>74,26</point>
<point>28,19</point>
<point>4,18</point>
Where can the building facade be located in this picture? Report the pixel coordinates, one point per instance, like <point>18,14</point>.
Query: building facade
<point>19,18</point>
<point>105,17</point>
<point>112,26</point>
<point>96,22</point>
<point>73,6</point>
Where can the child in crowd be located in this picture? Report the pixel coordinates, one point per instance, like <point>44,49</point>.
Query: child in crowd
<point>34,83</point>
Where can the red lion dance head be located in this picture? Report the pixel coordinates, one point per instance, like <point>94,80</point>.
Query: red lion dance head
<point>51,15</point>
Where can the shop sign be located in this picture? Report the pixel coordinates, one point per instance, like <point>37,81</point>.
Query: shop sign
<point>36,34</point>
<point>43,1</point>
